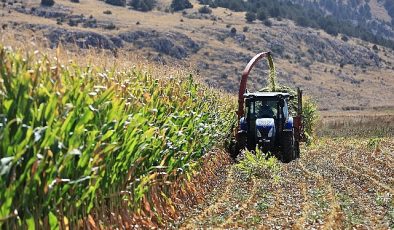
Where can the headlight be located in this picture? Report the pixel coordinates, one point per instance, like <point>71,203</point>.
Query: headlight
<point>271,132</point>
<point>258,134</point>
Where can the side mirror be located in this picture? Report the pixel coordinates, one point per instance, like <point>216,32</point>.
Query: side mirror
<point>291,97</point>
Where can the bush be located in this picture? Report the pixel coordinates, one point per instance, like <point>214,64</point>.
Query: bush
<point>267,22</point>
<point>47,2</point>
<point>110,26</point>
<point>143,5</point>
<point>345,38</point>
<point>205,10</point>
<point>116,2</point>
<point>209,3</point>
<point>250,16</point>
<point>178,5</point>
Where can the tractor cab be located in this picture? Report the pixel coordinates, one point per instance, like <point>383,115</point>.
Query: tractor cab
<point>266,117</point>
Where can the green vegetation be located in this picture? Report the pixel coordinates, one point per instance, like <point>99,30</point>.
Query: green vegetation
<point>143,5</point>
<point>116,2</point>
<point>308,14</point>
<point>260,165</point>
<point>178,5</point>
<point>250,17</point>
<point>72,137</point>
<point>205,10</point>
<point>47,2</point>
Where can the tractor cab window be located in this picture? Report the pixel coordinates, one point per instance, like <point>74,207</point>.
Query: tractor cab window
<point>286,111</point>
<point>266,108</point>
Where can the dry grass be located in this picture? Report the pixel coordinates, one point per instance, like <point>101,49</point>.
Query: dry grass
<point>357,124</point>
<point>378,10</point>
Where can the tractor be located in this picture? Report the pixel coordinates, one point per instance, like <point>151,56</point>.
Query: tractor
<point>264,121</point>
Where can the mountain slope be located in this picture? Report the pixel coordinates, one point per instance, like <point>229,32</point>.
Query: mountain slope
<point>340,71</point>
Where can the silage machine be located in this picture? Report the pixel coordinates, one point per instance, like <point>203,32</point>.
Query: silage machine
<point>264,120</point>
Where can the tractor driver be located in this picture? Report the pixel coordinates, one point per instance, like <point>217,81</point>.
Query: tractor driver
<point>266,111</point>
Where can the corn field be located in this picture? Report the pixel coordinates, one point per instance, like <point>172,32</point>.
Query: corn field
<point>72,137</point>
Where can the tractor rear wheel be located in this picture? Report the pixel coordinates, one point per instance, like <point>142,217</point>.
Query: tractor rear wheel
<point>288,152</point>
<point>237,146</point>
<point>297,149</point>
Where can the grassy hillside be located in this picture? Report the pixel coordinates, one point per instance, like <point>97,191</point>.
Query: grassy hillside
<point>80,137</point>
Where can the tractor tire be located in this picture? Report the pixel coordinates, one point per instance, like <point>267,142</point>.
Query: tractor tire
<point>233,149</point>
<point>237,147</point>
<point>288,152</point>
<point>297,149</point>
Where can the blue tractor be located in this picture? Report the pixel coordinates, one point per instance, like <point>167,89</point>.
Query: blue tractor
<point>264,121</point>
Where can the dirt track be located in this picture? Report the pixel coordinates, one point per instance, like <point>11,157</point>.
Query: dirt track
<point>341,183</point>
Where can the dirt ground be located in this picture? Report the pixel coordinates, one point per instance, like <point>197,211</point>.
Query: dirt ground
<point>337,183</point>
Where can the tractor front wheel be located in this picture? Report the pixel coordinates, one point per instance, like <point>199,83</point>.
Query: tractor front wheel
<point>288,152</point>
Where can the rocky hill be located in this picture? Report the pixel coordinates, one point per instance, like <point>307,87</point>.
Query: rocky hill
<point>340,71</point>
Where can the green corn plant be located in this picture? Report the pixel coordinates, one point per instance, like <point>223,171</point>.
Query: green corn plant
<point>72,137</point>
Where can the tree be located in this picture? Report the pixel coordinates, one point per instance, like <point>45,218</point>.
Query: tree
<point>178,5</point>
<point>250,16</point>
<point>47,2</point>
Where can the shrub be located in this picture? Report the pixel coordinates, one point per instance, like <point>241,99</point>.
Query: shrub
<point>205,10</point>
<point>110,26</point>
<point>250,16</point>
<point>178,5</point>
<point>116,2</point>
<point>209,3</point>
<point>267,22</point>
<point>143,5</point>
<point>47,2</point>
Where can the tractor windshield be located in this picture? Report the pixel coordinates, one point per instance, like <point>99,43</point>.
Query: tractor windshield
<point>266,108</point>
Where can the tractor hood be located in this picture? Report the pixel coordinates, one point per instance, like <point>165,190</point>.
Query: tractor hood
<point>265,127</point>
<point>265,123</point>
